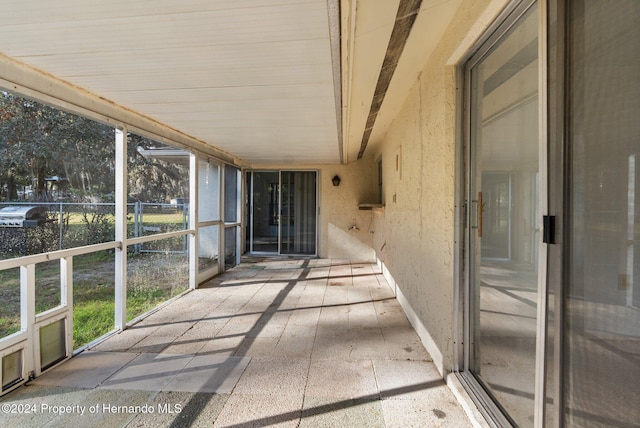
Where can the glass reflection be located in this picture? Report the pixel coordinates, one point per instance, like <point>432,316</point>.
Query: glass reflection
<point>504,144</point>
<point>208,192</point>
<point>265,217</point>
<point>602,340</point>
<point>230,246</point>
<point>207,247</point>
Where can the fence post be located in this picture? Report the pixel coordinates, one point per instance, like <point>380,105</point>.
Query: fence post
<point>136,232</point>
<point>185,239</point>
<point>60,227</point>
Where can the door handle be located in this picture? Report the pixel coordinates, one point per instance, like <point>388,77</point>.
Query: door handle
<point>477,215</point>
<point>480,214</point>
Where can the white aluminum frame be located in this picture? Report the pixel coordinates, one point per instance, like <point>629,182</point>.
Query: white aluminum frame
<point>121,229</point>
<point>28,82</point>
<point>228,225</point>
<point>486,405</point>
<point>251,207</point>
<point>27,339</point>
<point>317,214</point>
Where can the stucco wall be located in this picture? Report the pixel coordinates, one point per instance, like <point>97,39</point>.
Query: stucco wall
<point>414,236</point>
<point>338,209</point>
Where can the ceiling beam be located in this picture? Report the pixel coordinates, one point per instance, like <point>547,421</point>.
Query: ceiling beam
<point>405,17</point>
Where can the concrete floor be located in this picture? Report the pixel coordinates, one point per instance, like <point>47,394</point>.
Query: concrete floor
<point>305,343</point>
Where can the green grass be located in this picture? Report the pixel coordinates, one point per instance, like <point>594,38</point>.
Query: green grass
<point>152,280</point>
<point>91,320</point>
<point>77,219</point>
<point>145,276</point>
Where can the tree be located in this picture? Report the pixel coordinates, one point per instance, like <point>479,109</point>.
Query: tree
<point>152,179</point>
<point>38,141</point>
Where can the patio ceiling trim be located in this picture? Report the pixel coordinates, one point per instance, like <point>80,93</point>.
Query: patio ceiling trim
<point>406,16</point>
<point>41,86</point>
<point>336,56</point>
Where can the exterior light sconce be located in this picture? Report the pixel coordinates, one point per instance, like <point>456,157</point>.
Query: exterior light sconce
<point>336,181</point>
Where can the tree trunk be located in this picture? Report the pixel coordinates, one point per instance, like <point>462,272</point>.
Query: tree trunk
<point>12,190</point>
<point>41,184</point>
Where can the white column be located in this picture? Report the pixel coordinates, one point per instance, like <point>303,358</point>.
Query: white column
<point>193,221</point>
<point>222,229</point>
<point>121,229</point>
<point>66,297</point>
<point>28,314</point>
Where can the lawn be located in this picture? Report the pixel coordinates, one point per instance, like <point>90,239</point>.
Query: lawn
<point>152,279</point>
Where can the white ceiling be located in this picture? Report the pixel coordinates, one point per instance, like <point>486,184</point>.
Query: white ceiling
<point>371,30</point>
<point>251,77</point>
<point>254,78</point>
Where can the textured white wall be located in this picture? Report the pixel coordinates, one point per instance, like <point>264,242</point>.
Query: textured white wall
<point>339,212</point>
<point>414,236</point>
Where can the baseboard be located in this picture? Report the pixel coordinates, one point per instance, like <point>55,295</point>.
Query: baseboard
<point>414,320</point>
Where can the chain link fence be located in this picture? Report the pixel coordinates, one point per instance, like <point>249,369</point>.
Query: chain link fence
<point>69,225</point>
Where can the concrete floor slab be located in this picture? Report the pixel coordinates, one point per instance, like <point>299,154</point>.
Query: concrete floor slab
<point>295,346</point>
<point>87,370</point>
<point>148,372</point>
<point>258,347</point>
<point>152,344</point>
<point>267,330</point>
<point>209,373</point>
<point>341,379</point>
<point>123,341</point>
<point>399,379</point>
<point>331,348</point>
<point>184,346</point>
<point>257,410</point>
<point>304,315</point>
<point>326,412</point>
<point>275,375</point>
<point>368,345</point>
<point>435,412</point>
<point>403,344</point>
<point>222,345</point>
<point>182,409</point>
<point>285,343</point>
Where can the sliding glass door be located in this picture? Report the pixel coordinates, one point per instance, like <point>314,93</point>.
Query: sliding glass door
<point>282,212</point>
<point>298,212</point>
<point>601,361</point>
<point>552,330</point>
<point>264,218</point>
<point>503,218</point>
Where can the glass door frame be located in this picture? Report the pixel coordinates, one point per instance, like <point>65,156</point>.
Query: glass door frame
<point>466,212</point>
<point>316,202</point>
<point>562,158</point>
<point>229,224</point>
<point>250,216</point>
<point>196,163</point>
<point>250,200</point>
